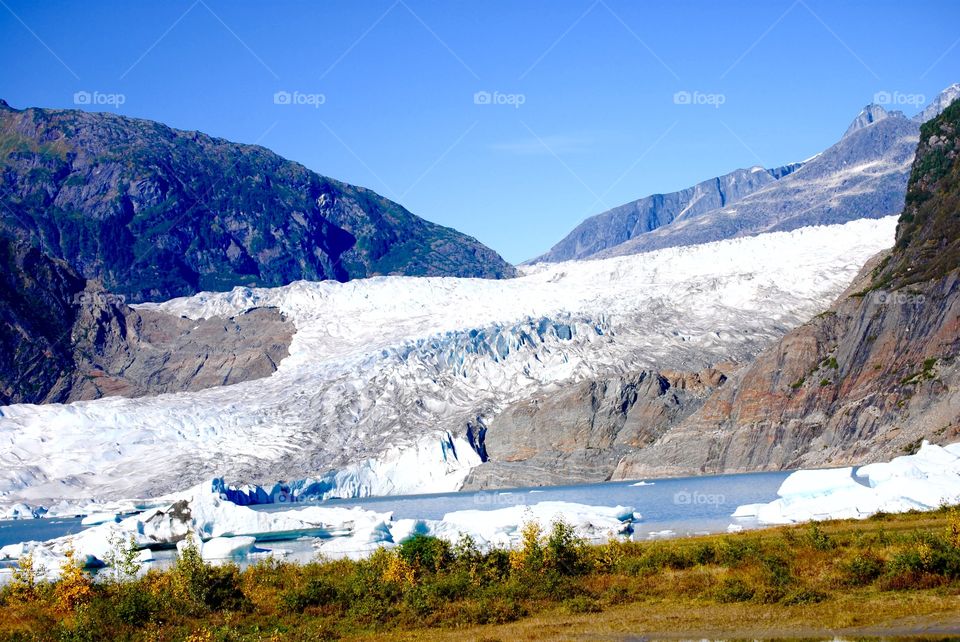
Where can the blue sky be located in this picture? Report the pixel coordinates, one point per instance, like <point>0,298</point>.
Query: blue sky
<point>581,113</point>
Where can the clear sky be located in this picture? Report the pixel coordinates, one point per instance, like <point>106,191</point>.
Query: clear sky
<point>581,115</point>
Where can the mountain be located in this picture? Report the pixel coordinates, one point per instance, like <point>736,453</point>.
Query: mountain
<point>154,212</point>
<point>867,116</point>
<point>65,339</point>
<point>864,175</point>
<point>866,380</point>
<point>620,224</point>
<point>941,102</point>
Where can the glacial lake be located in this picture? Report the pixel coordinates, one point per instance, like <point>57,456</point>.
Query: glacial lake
<point>668,507</point>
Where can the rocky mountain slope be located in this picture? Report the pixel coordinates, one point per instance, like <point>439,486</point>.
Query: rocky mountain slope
<point>867,379</point>
<point>64,339</point>
<point>625,222</point>
<point>154,212</point>
<point>864,175</point>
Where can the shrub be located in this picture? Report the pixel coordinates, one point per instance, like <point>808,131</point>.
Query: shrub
<point>529,556</point>
<point>203,586</point>
<point>493,611</point>
<point>317,592</point>
<point>863,569</point>
<point>564,552</point>
<point>776,571</point>
<point>121,559</point>
<point>74,588</point>
<point>733,589</point>
<point>582,604</point>
<point>26,578</point>
<point>424,552</point>
<point>735,550</point>
<point>133,605</point>
<point>953,528</point>
<point>704,554</point>
<point>818,539</point>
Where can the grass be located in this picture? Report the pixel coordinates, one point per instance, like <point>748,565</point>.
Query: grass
<point>899,571</point>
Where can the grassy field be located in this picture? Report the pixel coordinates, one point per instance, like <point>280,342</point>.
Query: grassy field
<point>889,575</point>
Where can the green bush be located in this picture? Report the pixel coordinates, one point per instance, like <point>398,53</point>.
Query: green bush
<point>425,552</point>
<point>564,552</point>
<point>582,604</point>
<point>317,592</point>
<point>818,539</point>
<point>493,611</point>
<point>733,589</point>
<point>863,569</point>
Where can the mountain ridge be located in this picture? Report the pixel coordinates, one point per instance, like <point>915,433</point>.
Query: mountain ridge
<point>155,212</point>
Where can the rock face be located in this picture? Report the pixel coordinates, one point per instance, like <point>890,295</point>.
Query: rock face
<point>623,223</point>
<point>63,339</point>
<point>156,213</point>
<point>867,379</point>
<point>579,434</point>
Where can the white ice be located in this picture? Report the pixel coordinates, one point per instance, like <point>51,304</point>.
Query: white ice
<point>385,373</point>
<point>923,481</point>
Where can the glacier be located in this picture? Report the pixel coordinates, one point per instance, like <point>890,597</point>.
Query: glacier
<point>389,380</point>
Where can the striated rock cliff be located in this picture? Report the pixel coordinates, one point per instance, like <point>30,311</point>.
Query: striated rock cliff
<point>579,434</point>
<point>867,379</point>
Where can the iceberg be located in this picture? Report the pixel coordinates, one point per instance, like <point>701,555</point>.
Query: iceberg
<point>224,530</point>
<point>922,481</point>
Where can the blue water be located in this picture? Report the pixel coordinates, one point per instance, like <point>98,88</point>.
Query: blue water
<point>682,506</point>
<point>22,530</point>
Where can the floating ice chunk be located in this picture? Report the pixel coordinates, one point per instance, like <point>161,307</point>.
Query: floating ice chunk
<point>22,511</point>
<point>227,548</point>
<point>502,527</point>
<point>814,482</point>
<point>923,481</point>
<point>99,518</point>
<point>747,510</point>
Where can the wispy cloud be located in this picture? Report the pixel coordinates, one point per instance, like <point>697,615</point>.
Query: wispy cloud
<point>549,145</point>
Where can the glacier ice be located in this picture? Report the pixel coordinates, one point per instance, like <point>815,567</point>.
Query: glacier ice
<point>923,481</point>
<point>385,374</point>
